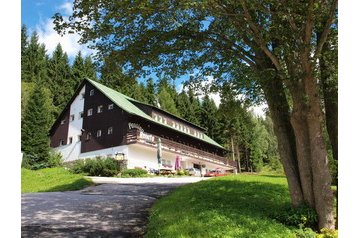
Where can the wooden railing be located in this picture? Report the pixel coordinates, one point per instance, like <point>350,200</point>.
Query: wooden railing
<point>135,136</point>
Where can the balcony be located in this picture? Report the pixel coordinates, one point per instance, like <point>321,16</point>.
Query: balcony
<point>136,136</point>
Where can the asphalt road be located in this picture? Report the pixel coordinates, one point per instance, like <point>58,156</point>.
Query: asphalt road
<point>113,208</point>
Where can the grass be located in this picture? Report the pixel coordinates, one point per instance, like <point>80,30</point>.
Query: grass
<point>232,206</point>
<point>51,180</point>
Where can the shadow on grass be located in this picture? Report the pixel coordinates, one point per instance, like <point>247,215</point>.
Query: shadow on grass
<point>76,185</point>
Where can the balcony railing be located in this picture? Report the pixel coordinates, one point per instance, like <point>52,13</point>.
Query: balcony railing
<point>136,136</point>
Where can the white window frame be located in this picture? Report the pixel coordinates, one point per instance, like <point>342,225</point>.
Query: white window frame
<point>92,92</point>
<point>88,136</point>
<point>90,112</point>
<point>110,106</point>
<point>62,142</point>
<point>110,130</point>
<point>100,109</point>
<point>99,133</point>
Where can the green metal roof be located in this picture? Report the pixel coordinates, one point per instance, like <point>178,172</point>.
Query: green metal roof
<point>124,102</point>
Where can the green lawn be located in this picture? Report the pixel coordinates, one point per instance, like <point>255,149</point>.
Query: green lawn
<point>232,206</point>
<point>51,180</point>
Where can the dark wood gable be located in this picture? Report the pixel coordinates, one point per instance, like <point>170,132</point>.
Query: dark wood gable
<point>114,118</point>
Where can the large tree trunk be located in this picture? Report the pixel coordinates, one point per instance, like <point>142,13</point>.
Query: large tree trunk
<point>300,126</point>
<point>279,109</point>
<point>321,177</point>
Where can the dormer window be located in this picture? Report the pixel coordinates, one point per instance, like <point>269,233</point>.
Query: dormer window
<point>110,106</point>
<point>90,112</point>
<point>92,92</point>
<point>110,131</point>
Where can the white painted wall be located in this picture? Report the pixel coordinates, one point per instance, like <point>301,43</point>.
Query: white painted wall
<point>108,152</point>
<point>72,151</point>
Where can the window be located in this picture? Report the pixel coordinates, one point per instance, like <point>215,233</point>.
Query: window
<point>110,131</point>
<point>82,96</point>
<point>81,114</point>
<point>63,122</point>
<point>155,117</point>
<point>160,119</point>
<point>99,133</point>
<point>70,140</point>
<point>79,137</point>
<point>62,142</point>
<point>92,92</point>
<point>164,120</point>
<point>90,112</point>
<point>72,117</point>
<point>110,106</point>
<point>88,137</point>
<point>100,109</point>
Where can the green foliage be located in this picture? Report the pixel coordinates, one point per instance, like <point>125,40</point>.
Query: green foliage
<point>34,129</point>
<point>305,233</point>
<point>55,159</point>
<point>134,173</point>
<point>51,180</point>
<point>107,167</point>
<point>302,216</point>
<point>327,233</point>
<point>230,206</point>
<point>167,102</point>
<point>181,172</point>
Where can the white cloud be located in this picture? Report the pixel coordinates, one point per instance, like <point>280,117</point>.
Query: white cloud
<point>67,8</point>
<point>69,42</point>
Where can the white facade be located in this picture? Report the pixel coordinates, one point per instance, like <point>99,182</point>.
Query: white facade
<point>71,151</point>
<point>108,152</point>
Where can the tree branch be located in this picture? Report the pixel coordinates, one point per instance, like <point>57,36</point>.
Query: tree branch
<point>257,37</point>
<point>323,37</point>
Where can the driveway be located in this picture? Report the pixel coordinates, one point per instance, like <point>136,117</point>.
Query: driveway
<point>115,207</point>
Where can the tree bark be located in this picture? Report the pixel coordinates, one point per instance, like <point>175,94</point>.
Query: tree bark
<point>238,157</point>
<point>300,126</point>
<point>279,109</point>
<point>321,177</point>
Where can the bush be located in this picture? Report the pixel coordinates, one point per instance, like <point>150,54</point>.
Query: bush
<point>134,173</point>
<point>305,233</point>
<point>107,167</point>
<point>302,216</point>
<point>328,233</point>
<point>181,172</point>
<point>54,159</point>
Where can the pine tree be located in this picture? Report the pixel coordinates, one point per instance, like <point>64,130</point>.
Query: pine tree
<point>208,117</point>
<point>89,69</point>
<point>167,102</point>
<point>194,108</point>
<point>33,59</point>
<point>112,76</point>
<point>60,80</point>
<point>150,92</point>
<point>35,127</point>
<point>78,68</point>
<point>183,105</point>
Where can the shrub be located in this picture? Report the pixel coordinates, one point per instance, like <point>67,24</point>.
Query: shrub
<point>305,233</point>
<point>302,216</point>
<point>54,159</point>
<point>107,167</point>
<point>181,172</point>
<point>328,233</point>
<point>134,173</point>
